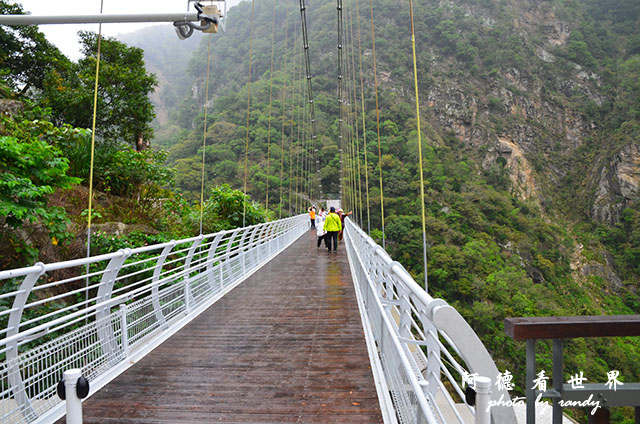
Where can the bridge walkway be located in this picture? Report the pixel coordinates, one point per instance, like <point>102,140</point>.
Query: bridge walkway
<point>284,346</point>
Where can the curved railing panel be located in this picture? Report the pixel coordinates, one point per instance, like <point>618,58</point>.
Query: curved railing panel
<point>423,349</point>
<point>102,313</point>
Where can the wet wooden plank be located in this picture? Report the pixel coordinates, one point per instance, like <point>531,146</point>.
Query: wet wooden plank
<point>285,346</point>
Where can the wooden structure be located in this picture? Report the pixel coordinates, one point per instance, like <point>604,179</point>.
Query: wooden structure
<point>559,328</point>
<point>284,346</point>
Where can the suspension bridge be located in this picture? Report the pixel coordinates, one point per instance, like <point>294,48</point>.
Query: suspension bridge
<point>249,325</point>
<point>254,324</point>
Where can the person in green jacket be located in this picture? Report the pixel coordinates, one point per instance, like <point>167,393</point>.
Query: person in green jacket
<point>332,225</point>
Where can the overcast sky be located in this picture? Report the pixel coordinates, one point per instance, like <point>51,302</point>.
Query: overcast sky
<point>65,36</point>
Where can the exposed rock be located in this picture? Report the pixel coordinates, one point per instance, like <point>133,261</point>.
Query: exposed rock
<point>10,107</point>
<point>605,272</point>
<point>544,55</point>
<point>583,268</point>
<point>618,186</point>
<point>557,33</point>
<point>120,229</point>
<point>535,275</point>
<point>384,76</point>
<point>520,170</point>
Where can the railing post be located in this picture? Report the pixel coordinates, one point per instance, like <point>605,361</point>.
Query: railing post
<point>187,296</point>
<point>103,324</point>
<point>259,232</point>
<point>13,364</point>
<point>155,290</point>
<point>241,248</point>
<point>602,416</point>
<point>557,380</point>
<point>187,277</point>
<point>210,259</point>
<point>483,396</point>
<point>248,252</point>
<point>124,330</point>
<point>73,403</point>
<point>530,375</point>
<point>420,418</point>
<point>227,260</point>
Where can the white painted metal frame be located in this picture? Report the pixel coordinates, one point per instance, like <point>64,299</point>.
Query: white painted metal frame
<point>420,347</point>
<point>136,299</point>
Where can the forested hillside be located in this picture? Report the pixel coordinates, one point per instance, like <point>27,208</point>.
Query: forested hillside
<point>46,116</point>
<point>530,115</point>
<point>530,112</point>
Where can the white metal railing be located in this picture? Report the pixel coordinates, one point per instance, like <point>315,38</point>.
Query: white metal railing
<point>421,348</point>
<point>102,313</point>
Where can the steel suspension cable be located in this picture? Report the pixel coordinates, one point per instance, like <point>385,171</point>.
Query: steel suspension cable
<point>246,144</point>
<point>343,193</point>
<point>422,198</point>
<point>204,132</point>
<point>309,146</point>
<point>375,85</point>
<point>347,117</point>
<point>284,99</point>
<point>364,123</point>
<point>305,44</point>
<point>273,34</point>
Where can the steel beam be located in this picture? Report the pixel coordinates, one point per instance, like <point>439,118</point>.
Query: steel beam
<point>98,19</point>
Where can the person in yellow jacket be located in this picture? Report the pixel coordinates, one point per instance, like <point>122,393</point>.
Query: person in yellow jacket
<point>332,225</point>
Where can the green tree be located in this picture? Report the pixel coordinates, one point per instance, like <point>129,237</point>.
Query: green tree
<point>227,208</point>
<point>124,111</point>
<point>25,54</point>
<point>30,170</point>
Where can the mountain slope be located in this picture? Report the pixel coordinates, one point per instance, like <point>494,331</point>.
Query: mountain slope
<point>532,161</point>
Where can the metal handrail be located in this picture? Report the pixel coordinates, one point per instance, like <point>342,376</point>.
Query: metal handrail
<point>135,299</point>
<point>413,337</point>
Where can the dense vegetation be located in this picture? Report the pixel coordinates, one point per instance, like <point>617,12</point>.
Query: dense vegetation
<point>566,101</point>
<point>488,70</point>
<point>45,154</point>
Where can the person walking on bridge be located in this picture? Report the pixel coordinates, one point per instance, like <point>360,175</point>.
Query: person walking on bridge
<point>342,216</point>
<point>333,226</point>
<point>312,216</point>
<point>320,231</point>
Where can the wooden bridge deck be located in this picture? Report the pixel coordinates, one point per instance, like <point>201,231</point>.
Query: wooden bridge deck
<point>285,346</point>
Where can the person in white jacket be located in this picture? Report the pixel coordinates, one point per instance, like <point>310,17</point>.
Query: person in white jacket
<point>322,215</point>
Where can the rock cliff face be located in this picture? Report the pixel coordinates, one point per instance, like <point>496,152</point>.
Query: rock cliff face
<point>10,107</point>
<point>618,185</point>
<point>533,115</point>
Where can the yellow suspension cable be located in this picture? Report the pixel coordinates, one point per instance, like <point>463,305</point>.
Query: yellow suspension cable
<point>301,141</point>
<point>355,119</point>
<point>364,124</point>
<point>349,129</point>
<point>204,132</point>
<point>273,34</point>
<point>246,144</point>
<point>284,99</point>
<point>375,84</point>
<point>93,139</point>
<point>299,153</point>
<point>293,123</point>
<point>93,149</point>
<point>422,199</point>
